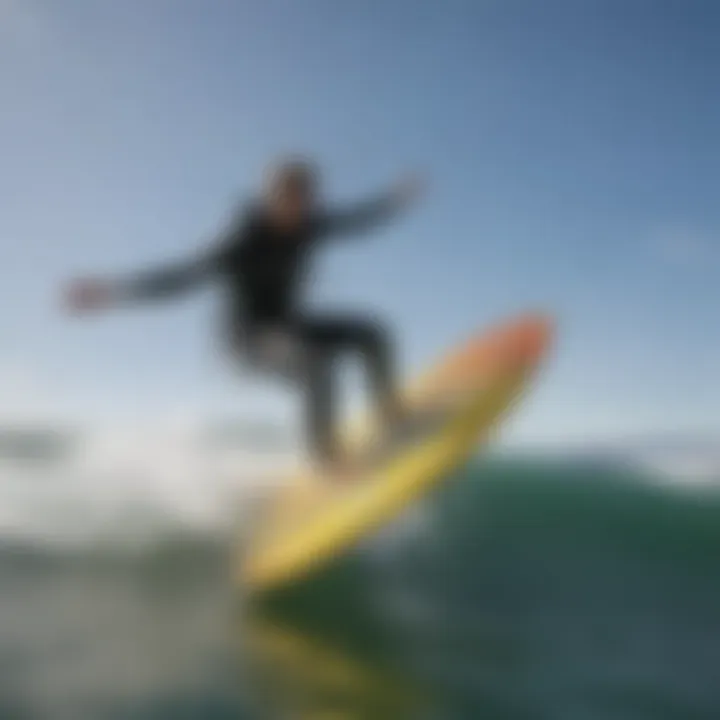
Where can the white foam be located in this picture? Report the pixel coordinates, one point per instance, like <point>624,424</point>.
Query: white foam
<point>129,480</point>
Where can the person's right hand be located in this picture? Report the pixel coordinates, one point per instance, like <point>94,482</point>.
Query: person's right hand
<point>88,295</point>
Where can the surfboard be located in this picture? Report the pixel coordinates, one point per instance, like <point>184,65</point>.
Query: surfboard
<point>451,408</point>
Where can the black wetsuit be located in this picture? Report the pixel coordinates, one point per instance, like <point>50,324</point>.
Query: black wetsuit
<point>263,268</point>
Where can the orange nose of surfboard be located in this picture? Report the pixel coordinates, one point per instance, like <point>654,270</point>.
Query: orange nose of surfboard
<point>508,346</point>
<point>527,340</point>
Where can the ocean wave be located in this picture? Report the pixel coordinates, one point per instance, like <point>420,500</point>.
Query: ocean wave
<point>129,489</point>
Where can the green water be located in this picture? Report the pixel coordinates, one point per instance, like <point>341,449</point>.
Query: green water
<point>521,590</point>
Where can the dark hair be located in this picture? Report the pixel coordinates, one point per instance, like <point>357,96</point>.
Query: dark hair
<point>295,174</point>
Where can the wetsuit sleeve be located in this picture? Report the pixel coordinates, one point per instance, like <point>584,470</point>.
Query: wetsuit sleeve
<point>175,279</point>
<point>361,217</point>
<point>166,281</point>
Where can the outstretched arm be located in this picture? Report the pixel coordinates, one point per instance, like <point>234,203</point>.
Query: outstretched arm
<point>366,215</point>
<point>164,282</point>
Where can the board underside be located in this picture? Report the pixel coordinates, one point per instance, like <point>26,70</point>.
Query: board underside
<point>452,408</point>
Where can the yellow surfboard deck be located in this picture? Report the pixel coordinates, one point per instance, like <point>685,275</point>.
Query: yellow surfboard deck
<point>311,521</point>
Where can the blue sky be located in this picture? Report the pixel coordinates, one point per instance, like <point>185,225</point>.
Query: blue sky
<point>572,148</point>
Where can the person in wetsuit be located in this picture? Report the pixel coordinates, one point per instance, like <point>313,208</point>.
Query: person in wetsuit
<point>262,260</point>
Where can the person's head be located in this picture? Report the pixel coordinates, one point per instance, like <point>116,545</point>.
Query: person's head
<point>291,189</point>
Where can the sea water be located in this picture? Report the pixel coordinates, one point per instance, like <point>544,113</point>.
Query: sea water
<point>523,589</point>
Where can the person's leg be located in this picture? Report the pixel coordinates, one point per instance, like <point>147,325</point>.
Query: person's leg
<point>318,342</point>
<point>333,334</point>
<point>301,352</point>
<point>320,410</point>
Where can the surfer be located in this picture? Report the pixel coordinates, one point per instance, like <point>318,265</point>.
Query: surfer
<point>261,260</point>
